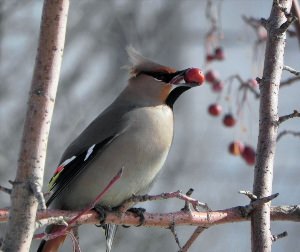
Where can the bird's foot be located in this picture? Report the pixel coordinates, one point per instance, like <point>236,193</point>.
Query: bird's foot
<point>102,214</point>
<point>140,213</point>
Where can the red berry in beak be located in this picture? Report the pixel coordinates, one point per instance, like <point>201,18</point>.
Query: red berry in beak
<point>215,109</point>
<point>236,148</point>
<point>229,120</point>
<point>194,75</point>
<point>249,155</point>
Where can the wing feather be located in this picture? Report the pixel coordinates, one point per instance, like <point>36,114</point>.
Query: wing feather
<point>73,166</point>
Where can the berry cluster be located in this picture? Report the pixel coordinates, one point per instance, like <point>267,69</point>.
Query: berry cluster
<point>247,152</point>
<point>213,79</point>
<point>215,109</point>
<point>217,55</point>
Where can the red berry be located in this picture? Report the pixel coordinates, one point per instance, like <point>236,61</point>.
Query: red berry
<point>194,75</point>
<point>219,53</point>
<point>236,148</point>
<point>229,120</point>
<point>211,76</point>
<point>253,83</point>
<point>210,57</point>
<point>217,86</point>
<point>249,155</point>
<point>262,34</point>
<point>215,109</point>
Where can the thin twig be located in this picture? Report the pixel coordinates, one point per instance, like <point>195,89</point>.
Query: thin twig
<point>287,132</point>
<point>249,194</point>
<point>171,195</point>
<point>173,231</point>
<point>5,189</point>
<point>289,81</point>
<point>187,204</point>
<point>247,85</point>
<point>287,117</point>
<point>291,70</point>
<point>193,238</point>
<point>279,236</point>
<point>246,210</point>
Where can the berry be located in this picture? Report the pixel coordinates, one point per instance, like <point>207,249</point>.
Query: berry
<point>210,57</point>
<point>253,83</point>
<point>236,148</point>
<point>219,53</point>
<point>211,76</point>
<point>194,75</point>
<point>217,86</point>
<point>249,155</point>
<point>229,120</point>
<point>215,109</point>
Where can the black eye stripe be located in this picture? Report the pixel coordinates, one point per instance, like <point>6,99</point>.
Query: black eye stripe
<point>165,77</point>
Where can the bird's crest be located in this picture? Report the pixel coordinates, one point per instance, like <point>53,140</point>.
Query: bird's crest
<point>141,64</point>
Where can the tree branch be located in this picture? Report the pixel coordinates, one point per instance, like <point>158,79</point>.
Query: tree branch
<point>261,237</point>
<point>199,230</point>
<point>289,81</point>
<point>291,70</point>
<point>287,117</point>
<point>32,155</point>
<point>165,220</point>
<point>287,132</point>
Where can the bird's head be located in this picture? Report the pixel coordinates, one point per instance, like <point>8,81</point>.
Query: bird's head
<point>154,84</point>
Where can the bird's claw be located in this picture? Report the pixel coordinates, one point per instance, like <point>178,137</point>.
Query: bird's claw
<point>140,213</point>
<point>102,215</point>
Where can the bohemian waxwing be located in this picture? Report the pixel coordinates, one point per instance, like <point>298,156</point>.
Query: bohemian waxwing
<point>135,132</point>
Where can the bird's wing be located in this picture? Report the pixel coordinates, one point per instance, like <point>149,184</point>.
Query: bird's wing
<point>91,142</point>
<point>72,166</point>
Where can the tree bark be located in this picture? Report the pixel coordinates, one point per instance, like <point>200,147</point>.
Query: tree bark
<point>29,177</point>
<point>268,117</point>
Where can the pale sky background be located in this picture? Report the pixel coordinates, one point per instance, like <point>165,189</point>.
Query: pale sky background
<point>171,33</point>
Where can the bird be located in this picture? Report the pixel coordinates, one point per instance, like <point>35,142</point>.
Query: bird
<point>135,133</point>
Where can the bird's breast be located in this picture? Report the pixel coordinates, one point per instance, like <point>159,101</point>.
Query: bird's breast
<point>141,149</point>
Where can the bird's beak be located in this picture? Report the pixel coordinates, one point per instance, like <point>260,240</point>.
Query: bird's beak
<point>190,77</point>
<point>178,77</point>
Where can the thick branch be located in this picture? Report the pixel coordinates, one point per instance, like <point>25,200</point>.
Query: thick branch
<point>36,128</point>
<point>165,220</point>
<point>268,115</point>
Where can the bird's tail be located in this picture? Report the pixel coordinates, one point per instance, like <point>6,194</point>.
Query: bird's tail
<point>110,232</point>
<point>53,244</point>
